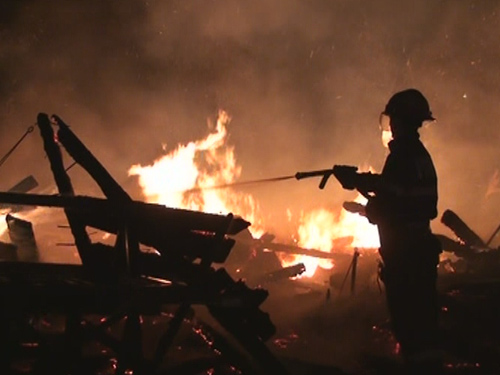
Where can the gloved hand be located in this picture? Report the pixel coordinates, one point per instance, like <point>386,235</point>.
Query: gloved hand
<point>346,175</point>
<point>374,210</point>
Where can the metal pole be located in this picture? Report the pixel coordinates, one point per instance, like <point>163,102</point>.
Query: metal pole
<point>353,270</point>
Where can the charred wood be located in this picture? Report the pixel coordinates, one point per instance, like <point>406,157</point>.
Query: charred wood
<point>63,183</point>
<point>190,233</point>
<point>292,249</point>
<point>111,189</point>
<point>113,216</point>
<point>172,275</point>
<point>281,274</point>
<point>475,256</point>
<point>241,325</point>
<point>456,247</point>
<point>8,251</point>
<point>22,236</point>
<point>126,240</point>
<point>25,185</point>
<point>57,287</point>
<point>462,230</point>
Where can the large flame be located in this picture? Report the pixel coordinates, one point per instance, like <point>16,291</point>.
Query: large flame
<point>186,177</point>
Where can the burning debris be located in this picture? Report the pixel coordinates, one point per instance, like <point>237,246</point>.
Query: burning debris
<point>168,256</point>
<point>209,171</point>
<point>165,261</point>
<point>123,282</point>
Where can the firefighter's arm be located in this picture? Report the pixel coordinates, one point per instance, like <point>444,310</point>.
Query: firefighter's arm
<point>372,183</point>
<point>375,211</point>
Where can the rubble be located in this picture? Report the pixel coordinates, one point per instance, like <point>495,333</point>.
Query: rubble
<point>476,259</point>
<point>124,283</point>
<point>165,263</point>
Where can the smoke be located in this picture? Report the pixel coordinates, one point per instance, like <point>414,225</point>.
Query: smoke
<point>303,81</point>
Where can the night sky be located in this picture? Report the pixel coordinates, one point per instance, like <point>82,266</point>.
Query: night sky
<point>304,82</point>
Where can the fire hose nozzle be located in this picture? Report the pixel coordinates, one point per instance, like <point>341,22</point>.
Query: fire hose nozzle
<point>324,180</point>
<point>300,175</point>
<point>325,173</point>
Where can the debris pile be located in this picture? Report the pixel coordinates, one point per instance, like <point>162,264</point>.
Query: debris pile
<point>163,260</point>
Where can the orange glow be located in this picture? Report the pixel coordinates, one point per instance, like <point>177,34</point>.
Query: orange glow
<point>493,184</point>
<point>3,224</point>
<point>185,177</point>
<point>386,137</point>
<point>318,229</point>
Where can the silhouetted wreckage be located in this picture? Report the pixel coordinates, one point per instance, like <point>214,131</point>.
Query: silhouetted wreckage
<point>164,261</point>
<point>477,258</point>
<point>470,291</point>
<point>22,246</point>
<point>257,261</point>
<point>124,282</point>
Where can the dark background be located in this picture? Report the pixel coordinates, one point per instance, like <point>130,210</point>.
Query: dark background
<point>304,82</point>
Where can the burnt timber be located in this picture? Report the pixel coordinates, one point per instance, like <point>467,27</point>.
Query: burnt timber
<point>479,258</point>
<point>122,283</point>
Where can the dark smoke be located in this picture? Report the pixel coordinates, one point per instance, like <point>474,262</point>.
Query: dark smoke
<point>304,83</point>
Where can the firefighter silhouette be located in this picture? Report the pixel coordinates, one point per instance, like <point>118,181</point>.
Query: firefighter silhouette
<point>402,202</point>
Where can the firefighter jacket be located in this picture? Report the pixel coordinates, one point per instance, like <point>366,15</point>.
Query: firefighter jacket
<point>405,195</point>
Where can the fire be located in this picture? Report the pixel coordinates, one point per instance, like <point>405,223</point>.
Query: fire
<point>186,177</point>
<point>319,229</point>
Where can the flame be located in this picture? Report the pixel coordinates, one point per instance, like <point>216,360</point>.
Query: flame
<point>185,177</point>
<point>319,229</point>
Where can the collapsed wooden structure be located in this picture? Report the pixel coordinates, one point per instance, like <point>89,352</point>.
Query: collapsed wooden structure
<point>122,282</point>
<point>479,258</point>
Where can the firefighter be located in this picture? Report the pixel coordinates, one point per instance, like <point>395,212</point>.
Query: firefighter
<point>402,202</point>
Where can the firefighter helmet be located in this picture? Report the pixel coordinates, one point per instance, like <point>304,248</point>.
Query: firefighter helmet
<point>409,105</point>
